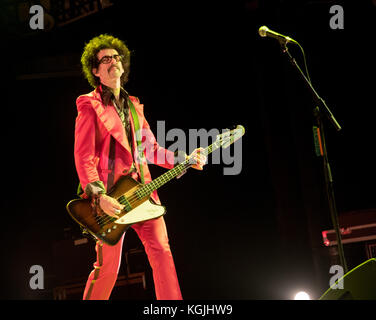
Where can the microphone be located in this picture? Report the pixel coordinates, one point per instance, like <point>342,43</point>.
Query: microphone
<point>264,31</point>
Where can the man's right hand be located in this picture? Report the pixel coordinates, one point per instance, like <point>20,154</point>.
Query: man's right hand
<point>110,205</point>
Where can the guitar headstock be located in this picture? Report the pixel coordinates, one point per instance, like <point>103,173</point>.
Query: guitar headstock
<point>230,136</point>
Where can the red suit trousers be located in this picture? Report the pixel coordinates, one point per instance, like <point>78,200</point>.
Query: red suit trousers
<point>153,235</point>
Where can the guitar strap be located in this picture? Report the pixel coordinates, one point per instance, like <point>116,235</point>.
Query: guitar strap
<point>140,153</point>
<point>111,164</point>
<point>111,156</point>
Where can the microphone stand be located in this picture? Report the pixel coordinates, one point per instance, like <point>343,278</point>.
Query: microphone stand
<point>323,152</point>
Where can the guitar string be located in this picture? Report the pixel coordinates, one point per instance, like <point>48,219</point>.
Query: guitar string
<point>185,165</point>
<point>138,195</point>
<point>165,178</point>
<point>146,191</point>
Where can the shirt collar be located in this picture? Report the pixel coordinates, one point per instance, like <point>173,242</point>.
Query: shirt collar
<point>107,95</point>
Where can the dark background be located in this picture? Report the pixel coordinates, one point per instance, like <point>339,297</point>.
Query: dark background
<point>196,64</point>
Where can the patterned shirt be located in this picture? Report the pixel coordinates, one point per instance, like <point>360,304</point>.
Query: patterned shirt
<point>121,107</point>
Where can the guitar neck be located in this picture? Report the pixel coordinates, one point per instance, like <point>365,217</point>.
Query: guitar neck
<point>172,173</point>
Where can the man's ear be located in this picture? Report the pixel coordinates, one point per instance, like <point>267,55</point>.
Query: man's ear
<point>95,72</point>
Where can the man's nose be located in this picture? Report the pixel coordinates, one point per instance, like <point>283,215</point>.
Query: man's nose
<point>112,63</point>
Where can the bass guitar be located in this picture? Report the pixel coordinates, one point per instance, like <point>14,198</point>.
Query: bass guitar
<point>135,196</point>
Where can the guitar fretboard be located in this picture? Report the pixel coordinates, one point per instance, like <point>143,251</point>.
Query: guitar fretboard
<point>172,173</point>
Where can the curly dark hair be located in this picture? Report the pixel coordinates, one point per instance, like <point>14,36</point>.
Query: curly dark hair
<point>89,58</point>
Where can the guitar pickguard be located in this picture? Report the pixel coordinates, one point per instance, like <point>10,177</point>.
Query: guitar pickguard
<point>145,211</point>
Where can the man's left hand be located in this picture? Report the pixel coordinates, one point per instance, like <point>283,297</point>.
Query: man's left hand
<point>198,158</point>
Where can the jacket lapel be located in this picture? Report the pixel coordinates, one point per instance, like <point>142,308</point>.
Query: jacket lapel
<point>110,119</point>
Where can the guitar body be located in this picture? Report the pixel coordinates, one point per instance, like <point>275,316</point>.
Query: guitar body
<point>136,198</point>
<point>109,229</point>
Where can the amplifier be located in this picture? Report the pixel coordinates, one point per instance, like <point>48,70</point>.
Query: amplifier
<point>73,260</point>
<point>355,226</point>
<point>120,291</point>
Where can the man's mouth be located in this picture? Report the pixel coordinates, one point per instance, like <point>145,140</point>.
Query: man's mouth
<point>113,66</point>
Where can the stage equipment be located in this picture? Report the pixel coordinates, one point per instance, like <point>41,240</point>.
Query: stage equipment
<point>264,31</point>
<point>355,226</point>
<point>358,284</point>
<point>70,278</point>
<point>319,111</point>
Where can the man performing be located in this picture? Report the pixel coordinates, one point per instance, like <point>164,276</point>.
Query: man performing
<point>106,149</point>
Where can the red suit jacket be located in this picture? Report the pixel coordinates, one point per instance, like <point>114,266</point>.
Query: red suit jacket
<point>95,124</point>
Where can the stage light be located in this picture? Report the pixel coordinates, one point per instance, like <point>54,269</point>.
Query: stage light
<point>302,296</point>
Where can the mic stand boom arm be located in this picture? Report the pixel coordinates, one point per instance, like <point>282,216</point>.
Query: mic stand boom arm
<point>326,166</point>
